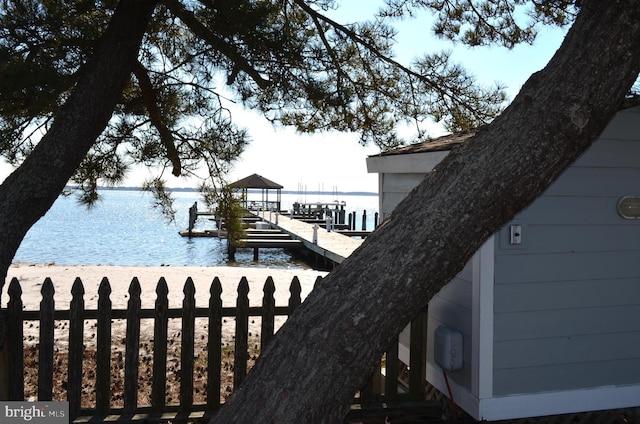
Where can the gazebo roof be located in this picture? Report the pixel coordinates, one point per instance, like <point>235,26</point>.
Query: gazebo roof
<point>255,181</point>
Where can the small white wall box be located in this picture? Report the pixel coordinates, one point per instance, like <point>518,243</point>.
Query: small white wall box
<point>448,348</point>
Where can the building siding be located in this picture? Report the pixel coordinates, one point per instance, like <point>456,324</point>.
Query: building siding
<point>452,308</point>
<point>567,300</point>
<point>564,304</point>
<point>395,188</point>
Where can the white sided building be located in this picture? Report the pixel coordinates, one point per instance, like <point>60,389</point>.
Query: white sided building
<point>549,307</point>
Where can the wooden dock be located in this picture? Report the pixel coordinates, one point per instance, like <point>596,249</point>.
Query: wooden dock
<point>332,245</point>
<point>265,231</point>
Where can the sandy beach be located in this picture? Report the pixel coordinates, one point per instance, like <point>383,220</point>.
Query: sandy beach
<point>32,276</point>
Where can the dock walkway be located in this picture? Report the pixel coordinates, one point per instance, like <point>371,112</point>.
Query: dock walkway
<point>331,245</point>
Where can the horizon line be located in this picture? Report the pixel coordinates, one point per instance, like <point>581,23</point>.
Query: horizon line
<point>189,189</point>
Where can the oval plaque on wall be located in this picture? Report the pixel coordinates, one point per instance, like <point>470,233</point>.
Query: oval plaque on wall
<point>629,207</point>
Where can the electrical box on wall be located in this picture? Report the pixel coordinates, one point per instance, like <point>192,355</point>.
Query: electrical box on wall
<point>448,348</point>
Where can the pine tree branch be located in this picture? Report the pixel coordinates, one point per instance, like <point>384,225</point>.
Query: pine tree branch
<point>215,41</point>
<point>150,101</point>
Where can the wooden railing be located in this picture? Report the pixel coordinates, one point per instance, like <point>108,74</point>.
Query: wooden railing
<point>99,372</point>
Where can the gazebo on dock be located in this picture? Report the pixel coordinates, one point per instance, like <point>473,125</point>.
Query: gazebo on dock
<point>265,186</point>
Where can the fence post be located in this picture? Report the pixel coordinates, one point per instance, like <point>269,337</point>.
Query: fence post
<point>15,334</point>
<point>103,349</point>
<point>160,329</point>
<point>76,348</point>
<point>45,356</point>
<point>242,330</point>
<point>391,372</point>
<point>193,216</point>
<point>187,350</point>
<point>367,390</point>
<point>214,345</point>
<point>268,313</point>
<point>132,348</point>
<point>417,356</point>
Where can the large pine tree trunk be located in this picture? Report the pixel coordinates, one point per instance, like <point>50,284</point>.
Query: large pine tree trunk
<point>322,355</point>
<point>28,193</point>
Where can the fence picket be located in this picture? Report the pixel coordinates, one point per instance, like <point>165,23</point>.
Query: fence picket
<point>15,336</point>
<point>242,330</point>
<point>160,330</point>
<point>103,348</point>
<point>295,290</point>
<point>132,348</point>
<point>214,345</point>
<point>268,313</point>
<point>187,350</point>
<point>45,355</point>
<point>76,348</point>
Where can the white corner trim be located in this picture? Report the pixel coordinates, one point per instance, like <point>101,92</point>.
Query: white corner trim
<point>482,322</point>
<point>483,269</point>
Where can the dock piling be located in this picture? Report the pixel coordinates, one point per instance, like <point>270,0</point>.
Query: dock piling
<point>193,215</point>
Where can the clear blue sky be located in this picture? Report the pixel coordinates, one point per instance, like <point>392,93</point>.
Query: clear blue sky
<point>335,160</point>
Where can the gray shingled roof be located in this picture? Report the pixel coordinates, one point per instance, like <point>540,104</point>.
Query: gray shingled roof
<point>444,143</point>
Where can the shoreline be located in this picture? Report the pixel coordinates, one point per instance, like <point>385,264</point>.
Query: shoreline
<point>31,276</point>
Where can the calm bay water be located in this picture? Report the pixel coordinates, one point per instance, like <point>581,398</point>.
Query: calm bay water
<point>125,230</point>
